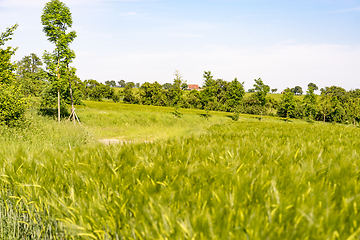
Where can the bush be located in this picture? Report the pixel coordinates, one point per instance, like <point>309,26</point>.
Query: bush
<point>12,105</point>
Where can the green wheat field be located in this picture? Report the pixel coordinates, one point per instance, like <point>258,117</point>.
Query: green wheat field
<point>192,177</point>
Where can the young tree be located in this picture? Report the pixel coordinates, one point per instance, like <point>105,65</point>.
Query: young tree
<point>261,90</point>
<point>287,103</point>
<point>274,90</point>
<point>176,88</point>
<point>110,83</point>
<point>310,102</point>
<point>325,106</point>
<point>235,93</point>
<point>12,104</point>
<point>167,86</point>
<point>130,84</point>
<point>7,68</point>
<point>122,83</point>
<point>56,19</point>
<point>313,86</point>
<point>184,86</point>
<point>353,109</point>
<point>30,75</point>
<point>298,90</point>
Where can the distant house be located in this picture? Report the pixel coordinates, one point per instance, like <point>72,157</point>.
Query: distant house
<point>193,86</point>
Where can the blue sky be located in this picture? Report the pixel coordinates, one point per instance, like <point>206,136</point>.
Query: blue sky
<point>284,42</point>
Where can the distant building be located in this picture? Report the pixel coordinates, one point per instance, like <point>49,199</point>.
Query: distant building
<point>193,86</point>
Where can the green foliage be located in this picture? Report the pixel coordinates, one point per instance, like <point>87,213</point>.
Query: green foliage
<point>176,112</point>
<point>325,106</point>
<point>49,95</point>
<point>310,102</point>
<point>111,83</point>
<point>12,102</point>
<point>297,90</point>
<point>122,83</point>
<point>287,104</point>
<point>98,91</point>
<point>167,86</point>
<point>236,115</point>
<point>7,68</point>
<point>235,94</point>
<point>352,107</point>
<point>12,105</point>
<point>56,19</point>
<point>261,90</point>
<point>313,86</point>
<point>30,76</point>
<point>152,94</point>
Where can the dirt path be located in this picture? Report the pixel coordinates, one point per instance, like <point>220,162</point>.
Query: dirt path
<point>117,141</point>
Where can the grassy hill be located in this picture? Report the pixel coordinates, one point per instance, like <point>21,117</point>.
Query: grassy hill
<point>178,178</point>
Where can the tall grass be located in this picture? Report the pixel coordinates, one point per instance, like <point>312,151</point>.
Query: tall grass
<point>246,180</point>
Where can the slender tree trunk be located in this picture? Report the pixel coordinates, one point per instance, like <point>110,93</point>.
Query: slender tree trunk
<point>324,118</point>
<point>59,105</point>
<point>354,123</point>
<point>58,70</point>
<point>71,96</point>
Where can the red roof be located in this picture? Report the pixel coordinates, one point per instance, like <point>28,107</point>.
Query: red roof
<point>193,86</point>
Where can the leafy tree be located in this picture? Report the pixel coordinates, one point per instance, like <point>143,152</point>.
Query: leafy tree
<point>274,90</point>
<point>56,19</point>
<point>122,83</point>
<point>111,83</point>
<point>175,90</point>
<point>313,86</point>
<point>251,90</point>
<point>137,85</point>
<point>325,106</point>
<point>98,91</point>
<point>167,86</point>
<point>128,94</point>
<point>297,90</point>
<point>261,90</point>
<point>335,91</point>
<point>287,104</point>
<point>235,93</point>
<point>310,102</point>
<point>353,109</point>
<point>12,103</point>
<point>184,86</point>
<point>149,92</point>
<point>130,84</point>
<point>7,68</point>
<point>30,75</point>
<point>209,93</point>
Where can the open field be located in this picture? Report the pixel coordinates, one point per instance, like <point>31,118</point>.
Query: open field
<point>181,178</point>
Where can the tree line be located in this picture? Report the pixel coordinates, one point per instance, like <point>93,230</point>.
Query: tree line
<point>334,104</point>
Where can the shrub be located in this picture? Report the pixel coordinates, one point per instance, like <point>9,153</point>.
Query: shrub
<point>12,105</point>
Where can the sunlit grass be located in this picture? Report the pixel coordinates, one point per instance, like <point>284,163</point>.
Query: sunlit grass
<point>218,180</point>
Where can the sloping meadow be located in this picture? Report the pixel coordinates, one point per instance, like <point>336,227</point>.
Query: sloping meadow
<point>237,181</point>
